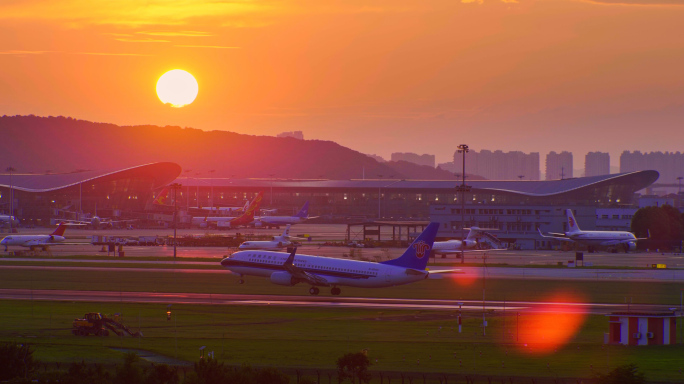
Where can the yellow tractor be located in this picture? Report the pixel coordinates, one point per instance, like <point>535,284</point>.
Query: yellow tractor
<point>99,325</point>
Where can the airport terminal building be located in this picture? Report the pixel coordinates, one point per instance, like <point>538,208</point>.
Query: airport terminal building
<point>36,199</point>
<point>516,208</point>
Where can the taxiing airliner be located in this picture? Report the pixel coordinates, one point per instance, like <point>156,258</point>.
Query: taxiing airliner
<point>594,238</point>
<point>36,241</point>
<point>317,271</point>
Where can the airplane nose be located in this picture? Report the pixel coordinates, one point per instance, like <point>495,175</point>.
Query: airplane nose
<point>225,262</point>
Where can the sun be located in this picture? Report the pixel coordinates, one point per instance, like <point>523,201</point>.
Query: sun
<point>177,88</point>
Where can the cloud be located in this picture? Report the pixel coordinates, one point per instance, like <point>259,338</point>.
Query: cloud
<point>637,2</point>
<point>22,53</point>
<point>127,12</point>
<point>133,40</point>
<point>206,46</point>
<point>176,33</point>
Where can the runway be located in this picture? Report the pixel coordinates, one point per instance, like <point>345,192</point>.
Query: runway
<point>460,272</point>
<point>316,301</point>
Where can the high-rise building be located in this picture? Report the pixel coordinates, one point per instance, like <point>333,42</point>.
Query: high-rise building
<point>499,165</point>
<point>670,165</point>
<point>596,164</point>
<point>426,159</point>
<point>559,165</point>
<point>299,135</point>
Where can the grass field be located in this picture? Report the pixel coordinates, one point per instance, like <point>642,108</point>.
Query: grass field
<point>308,338</point>
<point>315,338</point>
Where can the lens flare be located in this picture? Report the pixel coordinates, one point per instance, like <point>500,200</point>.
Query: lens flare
<point>553,325</point>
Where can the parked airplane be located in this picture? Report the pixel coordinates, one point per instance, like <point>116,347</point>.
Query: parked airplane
<point>36,241</point>
<point>163,199</point>
<point>278,242</point>
<point>468,244</point>
<point>593,239</point>
<point>5,220</point>
<point>244,219</point>
<point>318,271</point>
<point>277,221</point>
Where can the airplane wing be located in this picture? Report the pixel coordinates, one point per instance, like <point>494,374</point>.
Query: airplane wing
<point>557,236</point>
<point>301,274</point>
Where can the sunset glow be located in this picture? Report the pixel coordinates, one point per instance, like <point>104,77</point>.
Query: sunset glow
<point>479,72</point>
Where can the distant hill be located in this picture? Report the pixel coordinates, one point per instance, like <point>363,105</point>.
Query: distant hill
<point>62,144</point>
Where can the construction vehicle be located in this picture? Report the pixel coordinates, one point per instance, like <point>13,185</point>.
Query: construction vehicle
<point>100,325</point>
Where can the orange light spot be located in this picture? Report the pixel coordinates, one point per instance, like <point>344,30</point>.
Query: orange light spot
<point>553,325</point>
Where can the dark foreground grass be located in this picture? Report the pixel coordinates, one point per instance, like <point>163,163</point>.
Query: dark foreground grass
<point>598,291</point>
<point>309,338</point>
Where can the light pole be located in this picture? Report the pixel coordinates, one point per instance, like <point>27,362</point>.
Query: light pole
<point>679,192</point>
<point>271,176</point>
<point>175,187</point>
<point>463,188</point>
<point>11,198</point>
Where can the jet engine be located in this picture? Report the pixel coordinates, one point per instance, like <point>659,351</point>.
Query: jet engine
<point>630,247</point>
<point>283,278</point>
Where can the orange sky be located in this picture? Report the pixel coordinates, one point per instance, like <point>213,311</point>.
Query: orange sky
<point>376,76</point>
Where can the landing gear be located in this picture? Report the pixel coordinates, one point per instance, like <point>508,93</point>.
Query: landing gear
<point>335,291</point>
<point>241,281</point>
<point>314,291</point>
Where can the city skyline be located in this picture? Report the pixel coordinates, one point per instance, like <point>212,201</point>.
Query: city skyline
<point>530,75</point>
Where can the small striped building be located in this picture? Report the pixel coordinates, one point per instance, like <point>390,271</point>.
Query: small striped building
<point>642,328</point>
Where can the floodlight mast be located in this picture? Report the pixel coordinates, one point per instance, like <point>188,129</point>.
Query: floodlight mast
<point>175,187</point>
<point>463,188</point>
<point>11,198</point>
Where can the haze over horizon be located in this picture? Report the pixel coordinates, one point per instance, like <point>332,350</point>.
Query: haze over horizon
<point>378,77</point>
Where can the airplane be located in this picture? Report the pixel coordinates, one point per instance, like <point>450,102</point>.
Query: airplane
<point>278,242</point>
<point>456,246</point>
<point>5,220</point>
<point>163,196</point>
<point>594,238</point>
<point>94,221</point>
<point>277,221</point>
<point>244,219</point>
<point>318,271</point>
<point>36,241</point>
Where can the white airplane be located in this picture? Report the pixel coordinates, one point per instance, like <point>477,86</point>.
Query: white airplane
<point>277,221</point>
<point>593,239</point>
<point>250,209</point>
<point>456,246</point>
<point>278,242</point>
<point>164,195</point>
<point>5,220</point>
<point>318,271</point>
<point>36,241</point>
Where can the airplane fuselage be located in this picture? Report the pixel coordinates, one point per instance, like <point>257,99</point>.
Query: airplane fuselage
<point>601,237</point>
<point>31,240</point>
<point>337,272</point>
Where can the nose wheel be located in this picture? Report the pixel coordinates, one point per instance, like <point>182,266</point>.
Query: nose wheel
<point>314,291</point>
<point>335,291</point>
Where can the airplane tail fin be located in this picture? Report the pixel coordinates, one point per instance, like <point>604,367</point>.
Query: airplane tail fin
<point>572,222</point>
<point>417,254</point>
<point>60,230</point>
<point>286,232</point>
<point>472,234</point>
<point>304,212</point>
<point>253,206</point>
<point>162,197</point>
